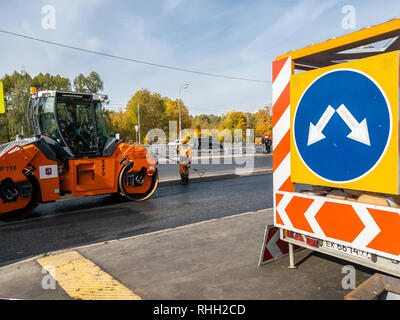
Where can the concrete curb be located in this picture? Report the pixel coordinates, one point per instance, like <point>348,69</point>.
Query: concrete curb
<point>220,176</point>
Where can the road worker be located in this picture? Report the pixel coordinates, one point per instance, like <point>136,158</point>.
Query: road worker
<point>268,144</point>
<point>185,160</point>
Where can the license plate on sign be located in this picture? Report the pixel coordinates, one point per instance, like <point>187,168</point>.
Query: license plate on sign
<point>346,250</point>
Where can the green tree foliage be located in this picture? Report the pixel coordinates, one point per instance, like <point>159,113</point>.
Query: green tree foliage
<point>80,83</point>
<point>205,121</point>
<point>50,82</point>
<point>4,131</point>
<point>152,114</point>
<point>91,83</point>
<point>208,121</point>
<point>155,113</point>
<point>16,92</point>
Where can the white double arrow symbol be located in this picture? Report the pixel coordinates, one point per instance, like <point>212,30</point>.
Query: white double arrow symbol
<point>359,131</point>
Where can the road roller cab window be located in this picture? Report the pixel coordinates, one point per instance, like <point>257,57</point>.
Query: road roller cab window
<point>77,122</point>
<point>102,132</point>
<point>43,118</point>
<point>47,119</point>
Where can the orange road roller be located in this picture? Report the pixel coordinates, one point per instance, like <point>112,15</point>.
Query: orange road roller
<point>70,153</point>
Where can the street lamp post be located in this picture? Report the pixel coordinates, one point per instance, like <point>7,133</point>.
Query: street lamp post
<point>138,111</point>
<point>180,120</point>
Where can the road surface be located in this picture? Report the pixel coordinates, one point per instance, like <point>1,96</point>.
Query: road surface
<point>80,221</point>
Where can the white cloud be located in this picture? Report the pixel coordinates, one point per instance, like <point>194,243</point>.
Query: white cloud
<point>285,26</point>
<point>171,4</point>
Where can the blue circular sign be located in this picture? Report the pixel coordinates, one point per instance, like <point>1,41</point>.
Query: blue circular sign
<point>342,125</point>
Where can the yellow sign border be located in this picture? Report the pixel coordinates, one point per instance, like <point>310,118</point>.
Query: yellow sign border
<point>2,104</point>
<point>384,178</point>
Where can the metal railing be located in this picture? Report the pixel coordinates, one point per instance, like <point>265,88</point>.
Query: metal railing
<point>234,149</point>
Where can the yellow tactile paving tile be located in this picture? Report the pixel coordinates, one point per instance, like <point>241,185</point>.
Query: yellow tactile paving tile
<point>82,279</point>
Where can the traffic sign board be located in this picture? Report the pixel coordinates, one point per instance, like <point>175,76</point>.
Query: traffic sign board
<point>341,137</point>
<point>344,125</point>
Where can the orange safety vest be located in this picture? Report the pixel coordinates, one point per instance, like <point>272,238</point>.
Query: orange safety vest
<point>185,152</point>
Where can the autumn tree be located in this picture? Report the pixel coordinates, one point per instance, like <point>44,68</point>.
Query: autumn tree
<point>236,120</point>
<point>172,113</point>
<point>263,122</point>
<point>117,124</point>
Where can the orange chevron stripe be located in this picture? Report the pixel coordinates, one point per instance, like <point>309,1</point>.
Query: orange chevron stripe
<point>277,67</point>
<point>339,221</point>
<point>281,151</point>
<point>281,105</point>
<point>295,211</point>
<point>388,240</point>
<point>287,186</point>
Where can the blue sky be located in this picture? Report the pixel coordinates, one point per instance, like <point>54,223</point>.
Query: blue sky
<point>230,37</point>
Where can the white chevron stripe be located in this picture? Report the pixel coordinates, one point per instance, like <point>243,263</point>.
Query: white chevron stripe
<point>310,216</point>
<point>282,173</point>
<point>281,128</point>
<point>371,229</point>
<point>281,81</point>
<point>272,246</point>
<point>281,210</point>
